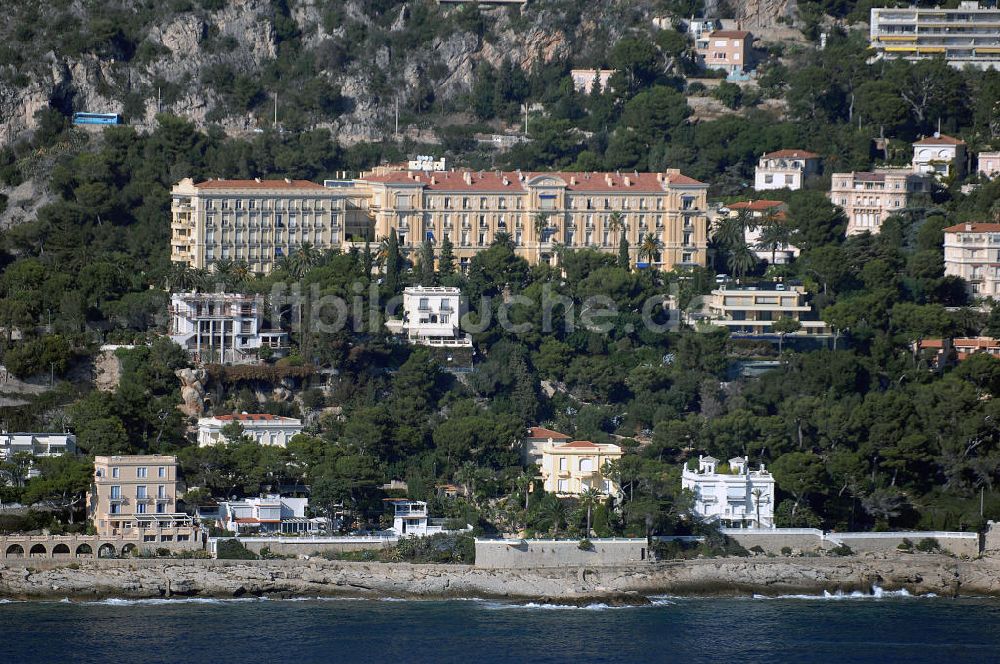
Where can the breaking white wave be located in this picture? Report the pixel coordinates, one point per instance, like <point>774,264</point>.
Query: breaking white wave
<point>876,593</point>
<point>541,606</point>
<point>180,600</point>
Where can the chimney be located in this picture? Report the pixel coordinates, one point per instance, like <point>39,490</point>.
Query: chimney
<point>628,181</point>
<point>937,134</point>
<point>607,178</point>
<point>288,181</point>
<point>968,227</point>
<point>256,179</point>
<point>572,181</point>
<point>467,177</point>
<point>505,181</point>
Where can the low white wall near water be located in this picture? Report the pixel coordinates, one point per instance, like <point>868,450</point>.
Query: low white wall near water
<point>805,540</point>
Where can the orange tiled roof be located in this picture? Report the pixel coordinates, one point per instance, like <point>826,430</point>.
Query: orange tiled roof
<point>791,154</point>
<point>513,181</point>
<point>258,184</point>
<point>580,443</point>
<point>940,139</point>
<point>731,34</point>
<point>973,228</point>
<point>542,432</point>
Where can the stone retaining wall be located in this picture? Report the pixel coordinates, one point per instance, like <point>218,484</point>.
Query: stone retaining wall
<point>292,547</point>
<point>807,540</point>
<point>510,554</point>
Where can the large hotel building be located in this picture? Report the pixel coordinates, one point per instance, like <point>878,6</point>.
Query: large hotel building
<point>967,35</point>
<point>259,221</point>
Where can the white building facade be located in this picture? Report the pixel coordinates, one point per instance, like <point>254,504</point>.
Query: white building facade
<point>752,310</point>
<point>569,469</point>
<point>869,198</point>
<point>733,495</point>
<point>410,518</point>
<point>972,252</point>
<point>967,35</point>
<point>226,328</point>
<point>263,428</point>
<point>536,440</point>
<point>270,514</point>
<point>432,317</point>
<point>939,156</point>
<point>36,444</point>
<point>785,169</point>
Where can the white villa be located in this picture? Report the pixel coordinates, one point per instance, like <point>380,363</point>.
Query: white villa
<point>37,445</point>
<point>432,317</point>
<point>785,169</point>
<point>734,495</point>
<point>222,327</point>
<point>271,514</point>
<point>410,518</point>
<point>263,428</point>
<point>939,155</point>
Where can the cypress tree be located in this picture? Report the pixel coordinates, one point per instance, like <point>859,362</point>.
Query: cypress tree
<point>392,263</point>
<point>446,261</point>
<point>367,260</point>
<point>623,261</point>
<point>427,264</point>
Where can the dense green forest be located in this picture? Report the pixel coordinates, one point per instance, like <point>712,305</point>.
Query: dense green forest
<point>865,435</point>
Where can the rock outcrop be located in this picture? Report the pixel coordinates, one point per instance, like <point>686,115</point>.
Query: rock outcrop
<point>193,392</point>
<point>281,578</point>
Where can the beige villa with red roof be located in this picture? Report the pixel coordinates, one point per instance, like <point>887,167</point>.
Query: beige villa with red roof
<point>785,169</point>
<point>261,221</point>
<point>728,50</point>
<point>263,428</point>
<point>568,469</point>
<point>972,252</point>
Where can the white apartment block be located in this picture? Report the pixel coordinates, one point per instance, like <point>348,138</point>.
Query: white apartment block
<point>410,518</point>
<point>431,317</point>
<point>967,35</point>
<point>989,164</point>
<point>972,252</point>
<point>264,429</point>
<point>258,221</point>
<point>270,514</point>
<point>36,444</point>
<point>785,169</point>
<point>226,328</point>
<point>752,310</point>
<point>869,198</point>
<point>939,155</point>
<point>735,495</point>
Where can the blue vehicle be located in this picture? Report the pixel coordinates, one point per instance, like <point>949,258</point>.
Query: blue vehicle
<point>97,119</point>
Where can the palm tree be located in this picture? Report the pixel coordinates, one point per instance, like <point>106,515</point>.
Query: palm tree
<point>729,232</point>
<point>540,222</point>
<point>616,223</point>
<point>741,259</point>
<point>223,270</point>
<point>773,236</point>
<point>240,275</point>
<point>589,499</point>
<point>757,493</point>
<point>553,512</point>
<point>650,248</point>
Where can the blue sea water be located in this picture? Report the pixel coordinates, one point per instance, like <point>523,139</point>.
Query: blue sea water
<point>886,628</point>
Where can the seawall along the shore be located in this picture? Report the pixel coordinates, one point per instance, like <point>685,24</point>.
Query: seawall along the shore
<point>151,578</point>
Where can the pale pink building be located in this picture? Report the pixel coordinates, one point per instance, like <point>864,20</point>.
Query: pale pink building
<point>869,198</point>
<point>989,164</point>
<point>728,50</point>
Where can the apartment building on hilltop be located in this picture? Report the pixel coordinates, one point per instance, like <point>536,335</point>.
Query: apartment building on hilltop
<point>432,317</point>
<point>869,198</point>
<point>785,169</point>
<point>541,212</point>
<point>262,221</point>
<point>972,252</point>
<point>262,428</point>
<point>726,50</point>
<point>967,35</point>
<point>752,310</point>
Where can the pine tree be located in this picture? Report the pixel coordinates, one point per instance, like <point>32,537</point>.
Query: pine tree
<point>446,261</point>
<point>427,264</point>
<point>392,263</point>
<point>623,260</point>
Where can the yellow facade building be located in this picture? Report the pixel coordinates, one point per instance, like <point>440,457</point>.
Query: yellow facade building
<point>568,469</point>
<point>260,221</point>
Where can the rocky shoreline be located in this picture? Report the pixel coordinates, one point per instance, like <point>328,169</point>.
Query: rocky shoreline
<point>152,578</point>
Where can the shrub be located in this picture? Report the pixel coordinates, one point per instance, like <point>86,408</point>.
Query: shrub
<point>905,545</point>
<point>786,550</point>
<point>842,550</point>
<point>928,545</point>
<point>756,549</point>
<point>586,545</point>
<point>233,549</point>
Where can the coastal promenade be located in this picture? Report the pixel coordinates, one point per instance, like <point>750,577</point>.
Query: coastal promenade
<point>152,578</point>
